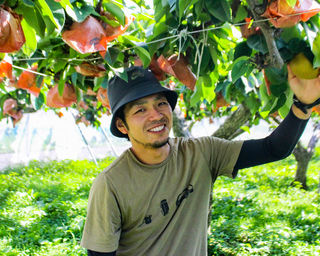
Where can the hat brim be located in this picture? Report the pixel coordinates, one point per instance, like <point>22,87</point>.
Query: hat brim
<point>143,90</point>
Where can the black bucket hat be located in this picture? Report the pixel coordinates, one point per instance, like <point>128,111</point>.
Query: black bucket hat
<point>141,83</point>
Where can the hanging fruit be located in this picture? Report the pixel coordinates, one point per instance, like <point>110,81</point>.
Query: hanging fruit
<point>11,34</point>
<point>102,96</point>
<point>86,37</point>
<point>28,81</point>
<point>282,15</point>
<point>54,100</point>
<point>156,70</point>
<point>10,108</point>
<point>82,119</point>
<point>6,67</point>
<point>113,32</point>
<point>220,102</point>
<point>177,66</point>
<point>153,66</point>
<point>88,69</point>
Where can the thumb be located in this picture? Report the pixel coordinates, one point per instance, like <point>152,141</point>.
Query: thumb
<point>290,74</point>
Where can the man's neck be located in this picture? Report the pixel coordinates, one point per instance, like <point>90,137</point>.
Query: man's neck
<point>151,156</point>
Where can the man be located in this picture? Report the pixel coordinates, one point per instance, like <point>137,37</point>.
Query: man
<point>154,199</point>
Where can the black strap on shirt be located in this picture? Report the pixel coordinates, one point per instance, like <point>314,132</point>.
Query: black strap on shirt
<point>278,145</point>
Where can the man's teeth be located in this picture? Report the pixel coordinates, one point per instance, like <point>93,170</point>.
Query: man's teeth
<point>157,129</point>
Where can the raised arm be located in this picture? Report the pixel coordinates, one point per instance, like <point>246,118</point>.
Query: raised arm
<point>281,142</point>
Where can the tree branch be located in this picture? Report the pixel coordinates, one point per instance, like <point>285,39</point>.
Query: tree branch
<point>237,119</point>
<point>275,59</point>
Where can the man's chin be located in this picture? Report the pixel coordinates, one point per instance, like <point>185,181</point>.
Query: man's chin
<point>159,144</point>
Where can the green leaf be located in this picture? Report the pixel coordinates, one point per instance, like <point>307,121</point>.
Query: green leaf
<point>258,43</point>
<point>82,12</point>
<point>52,13</point>
<point>39,81</point>
<point>33,18</point>
<point>278,89</point>
<point>112,55</point>
<point>239,69</point>
<point>104,83</point>
<point>242,49</point>
<point>160,12</point>
<point>30,45</point>
<point>58,65</point>
<point>28,3</point>
<point>184,5</point>
<point>252,102</point>
<point>78,93</point>
<point>62,80</point>
<point>58,14</point>
<point>120,72</point>
<point>68,8</point>
<point>219,9</point>
<point>241,14</point>
<point>74,78</point>
<point>204,89</point>
<point>143,54</point>
<point>316,51</point>
<point>214,55</point>
<point>279,103</point>
<point>276,76</point>
<point>39,100</point>
<point>116,11</point>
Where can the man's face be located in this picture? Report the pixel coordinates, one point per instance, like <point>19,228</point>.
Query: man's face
<point>148,121</point>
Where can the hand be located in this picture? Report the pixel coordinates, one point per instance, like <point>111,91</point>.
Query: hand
<point>306,90</point>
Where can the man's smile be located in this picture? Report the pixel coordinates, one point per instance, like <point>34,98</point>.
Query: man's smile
<point>157,129</point>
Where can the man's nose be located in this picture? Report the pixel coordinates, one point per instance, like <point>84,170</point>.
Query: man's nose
<point>155,114</point>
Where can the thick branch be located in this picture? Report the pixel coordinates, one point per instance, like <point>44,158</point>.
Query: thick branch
<point>233,123</point>
<point>274,55</point>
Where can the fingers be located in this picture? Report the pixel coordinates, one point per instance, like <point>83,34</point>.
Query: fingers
<point>290,74</point>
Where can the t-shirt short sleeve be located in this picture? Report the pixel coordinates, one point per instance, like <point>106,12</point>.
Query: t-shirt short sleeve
<point>222,155</point>
<point>103,223</point>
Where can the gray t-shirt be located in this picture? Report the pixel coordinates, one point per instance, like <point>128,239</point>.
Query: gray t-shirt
<point>162,209</point>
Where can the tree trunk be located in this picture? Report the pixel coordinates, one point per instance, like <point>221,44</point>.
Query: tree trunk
<point>180,128</point>
<point>303,157</point>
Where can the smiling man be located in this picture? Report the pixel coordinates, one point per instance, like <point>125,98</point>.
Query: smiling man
<point>154,199</point>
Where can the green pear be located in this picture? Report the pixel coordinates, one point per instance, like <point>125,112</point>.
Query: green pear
<point>302,67</point>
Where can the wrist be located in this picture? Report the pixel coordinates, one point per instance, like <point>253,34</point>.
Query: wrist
<point>303,106</point>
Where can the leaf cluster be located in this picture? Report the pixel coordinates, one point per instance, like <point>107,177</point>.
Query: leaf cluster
<point>207,33</point>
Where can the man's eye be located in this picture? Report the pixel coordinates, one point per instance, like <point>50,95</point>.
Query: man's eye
<point>139,111</point>
<point>163,103</point>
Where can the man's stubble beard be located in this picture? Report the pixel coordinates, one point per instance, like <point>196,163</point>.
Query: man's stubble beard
<point>154,145</point>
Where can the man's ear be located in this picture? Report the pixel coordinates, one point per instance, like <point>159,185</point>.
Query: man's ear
<point>121,126</point>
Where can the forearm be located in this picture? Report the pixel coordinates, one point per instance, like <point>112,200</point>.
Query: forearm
<point>278,145</point>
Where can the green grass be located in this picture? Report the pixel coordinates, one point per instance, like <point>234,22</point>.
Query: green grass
<point>260,213</point>
<point>43,209</point>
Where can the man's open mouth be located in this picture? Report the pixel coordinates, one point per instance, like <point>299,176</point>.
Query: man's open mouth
<point>157,129</point>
